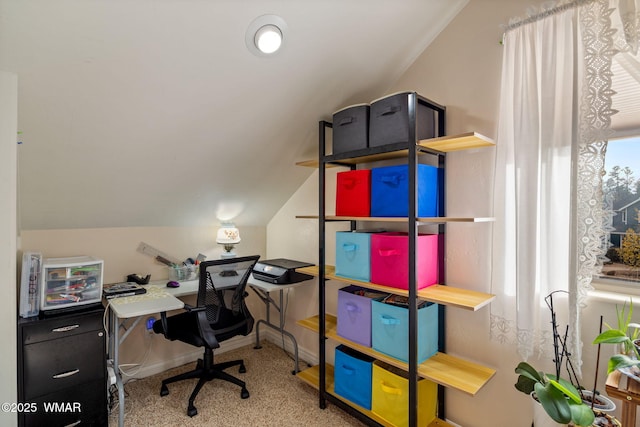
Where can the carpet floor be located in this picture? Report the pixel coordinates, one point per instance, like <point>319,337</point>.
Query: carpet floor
<point>277,398</point>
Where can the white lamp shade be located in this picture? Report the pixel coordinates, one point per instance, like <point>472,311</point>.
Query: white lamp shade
<point>228,235</point>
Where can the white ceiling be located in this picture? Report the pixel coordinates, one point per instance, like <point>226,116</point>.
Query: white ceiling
<point>154,113</point>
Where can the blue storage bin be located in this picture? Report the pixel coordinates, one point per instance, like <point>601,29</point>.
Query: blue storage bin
<point>390,330</point>
<point>352,376</point>
<point>390,191</point>
<point>353,253</point>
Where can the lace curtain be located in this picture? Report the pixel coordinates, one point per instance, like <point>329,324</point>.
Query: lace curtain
<point>555,119</point>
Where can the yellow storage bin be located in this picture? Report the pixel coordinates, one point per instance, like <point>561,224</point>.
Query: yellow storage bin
<point>390,396</point>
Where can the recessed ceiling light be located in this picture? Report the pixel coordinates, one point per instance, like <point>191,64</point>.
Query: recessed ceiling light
<point>266,35</point>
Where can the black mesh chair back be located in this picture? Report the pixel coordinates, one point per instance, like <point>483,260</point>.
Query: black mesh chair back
<point>220,314</point>
<point>222,291</point>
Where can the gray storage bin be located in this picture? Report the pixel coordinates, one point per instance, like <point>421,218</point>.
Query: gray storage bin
<point>389,120</point>
<point>351,128</point>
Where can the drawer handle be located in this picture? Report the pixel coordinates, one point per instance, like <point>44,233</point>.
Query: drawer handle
<point>66,374</point>
<point>65,328</point>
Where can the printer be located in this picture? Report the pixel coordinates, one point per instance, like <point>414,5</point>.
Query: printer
<point>280,271</point>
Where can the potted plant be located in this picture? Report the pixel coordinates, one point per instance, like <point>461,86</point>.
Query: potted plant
<point>563,400</point>
<point>626,337</point>
<point>560,399</point>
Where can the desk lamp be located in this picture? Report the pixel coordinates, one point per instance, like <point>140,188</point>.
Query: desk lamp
<point>228,236</point>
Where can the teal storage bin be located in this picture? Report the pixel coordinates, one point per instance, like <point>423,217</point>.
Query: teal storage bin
<point>390,329</point>
<point>352,376</point>
<point>353,254</point>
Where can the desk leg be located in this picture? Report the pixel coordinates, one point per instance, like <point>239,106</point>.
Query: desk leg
<point>115,341</point>
<point>266,298</point>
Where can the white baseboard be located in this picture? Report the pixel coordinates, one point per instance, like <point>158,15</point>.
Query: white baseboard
<point>232,344</point>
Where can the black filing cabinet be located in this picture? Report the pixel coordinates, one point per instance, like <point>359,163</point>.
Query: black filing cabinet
<point>62,373</point>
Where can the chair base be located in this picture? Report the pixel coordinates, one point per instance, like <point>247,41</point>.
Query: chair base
<point>206,371</point>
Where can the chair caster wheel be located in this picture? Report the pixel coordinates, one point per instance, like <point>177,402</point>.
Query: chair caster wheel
<point>242,369</point>
<point>244,394</point>
<point>192,411</point>
<point>164,390</point>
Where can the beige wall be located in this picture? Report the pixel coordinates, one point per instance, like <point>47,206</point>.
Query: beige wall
<point>461,69</point>
<point>8,227</point>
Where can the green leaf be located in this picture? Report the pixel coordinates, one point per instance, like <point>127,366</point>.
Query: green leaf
<point>566,388</point>
<point>554,403</point>
<point>612,336</point>
<point>525,384</point>
<point>528,371</point>
<point>581,414</point>
<point>618,361</point>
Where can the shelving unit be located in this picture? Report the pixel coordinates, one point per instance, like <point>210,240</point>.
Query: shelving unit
<point>443,369</point>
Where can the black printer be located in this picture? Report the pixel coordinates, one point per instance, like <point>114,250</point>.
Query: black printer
<point>280,271</point>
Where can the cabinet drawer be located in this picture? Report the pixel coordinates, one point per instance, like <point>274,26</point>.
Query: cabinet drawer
<point>82,405</point>
<point>65,362</point>
<point>58,327</point>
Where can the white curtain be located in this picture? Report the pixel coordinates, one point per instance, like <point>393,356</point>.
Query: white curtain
<point>555,119</point>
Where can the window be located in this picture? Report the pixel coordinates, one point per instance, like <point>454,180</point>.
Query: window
<point>622,192</point>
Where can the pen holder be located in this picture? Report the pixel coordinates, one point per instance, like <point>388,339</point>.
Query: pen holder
<point>183,273</point>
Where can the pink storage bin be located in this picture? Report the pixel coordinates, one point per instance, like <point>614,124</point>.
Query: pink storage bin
<point>390,259</point>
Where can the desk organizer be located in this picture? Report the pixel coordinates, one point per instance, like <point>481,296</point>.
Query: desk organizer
<point>390,259</point>
<point>390,191</point>
<point>390,328</point>
<point>390,396</point>
<point>184,273</point>
<point>353,193</point>
<point>354,313</point>
<point>352,376</point>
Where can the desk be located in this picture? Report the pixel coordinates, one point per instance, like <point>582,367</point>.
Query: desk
<point>133,308</point>
<point>160,298</point>
<point>628,391</point>
<point>262,289</point>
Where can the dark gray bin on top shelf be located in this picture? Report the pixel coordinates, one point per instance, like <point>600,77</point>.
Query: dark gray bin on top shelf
<point>389,120</point>
<point>351,128</point>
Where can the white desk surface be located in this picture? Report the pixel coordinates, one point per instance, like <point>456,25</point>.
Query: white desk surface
<point>159,297</point>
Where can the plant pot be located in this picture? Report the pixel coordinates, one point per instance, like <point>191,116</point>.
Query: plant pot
<point>602,403</point>
<point>604,420</point>
<point>540,416</point>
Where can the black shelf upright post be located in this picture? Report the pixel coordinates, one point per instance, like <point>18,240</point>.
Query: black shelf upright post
<point>413,238</point>
<point>322,386</point>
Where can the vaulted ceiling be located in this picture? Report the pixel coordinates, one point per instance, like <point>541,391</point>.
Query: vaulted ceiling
<point>154,112</point>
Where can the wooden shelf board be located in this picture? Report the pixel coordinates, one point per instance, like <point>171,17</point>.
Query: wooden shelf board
<point>444,369</point>
<point>441,144</point>
<point>441,294</point>
<point>424,220</point>
<point>311,376</point>
<point>463,141</point>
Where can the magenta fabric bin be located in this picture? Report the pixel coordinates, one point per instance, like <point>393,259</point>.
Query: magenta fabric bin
<point>354,313</point>
<point>390,259</point>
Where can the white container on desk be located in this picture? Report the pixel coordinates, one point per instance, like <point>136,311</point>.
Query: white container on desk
<point>71,281</point>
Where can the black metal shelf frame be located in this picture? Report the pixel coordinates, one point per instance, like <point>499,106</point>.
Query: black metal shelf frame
<point>413,150</point>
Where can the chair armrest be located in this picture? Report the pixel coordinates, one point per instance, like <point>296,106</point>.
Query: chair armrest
<point>207,334</point>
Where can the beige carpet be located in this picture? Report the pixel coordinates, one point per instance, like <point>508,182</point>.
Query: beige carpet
<point>277,398</point>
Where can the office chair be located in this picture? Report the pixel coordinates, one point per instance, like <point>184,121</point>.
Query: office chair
<point>220,314</point>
